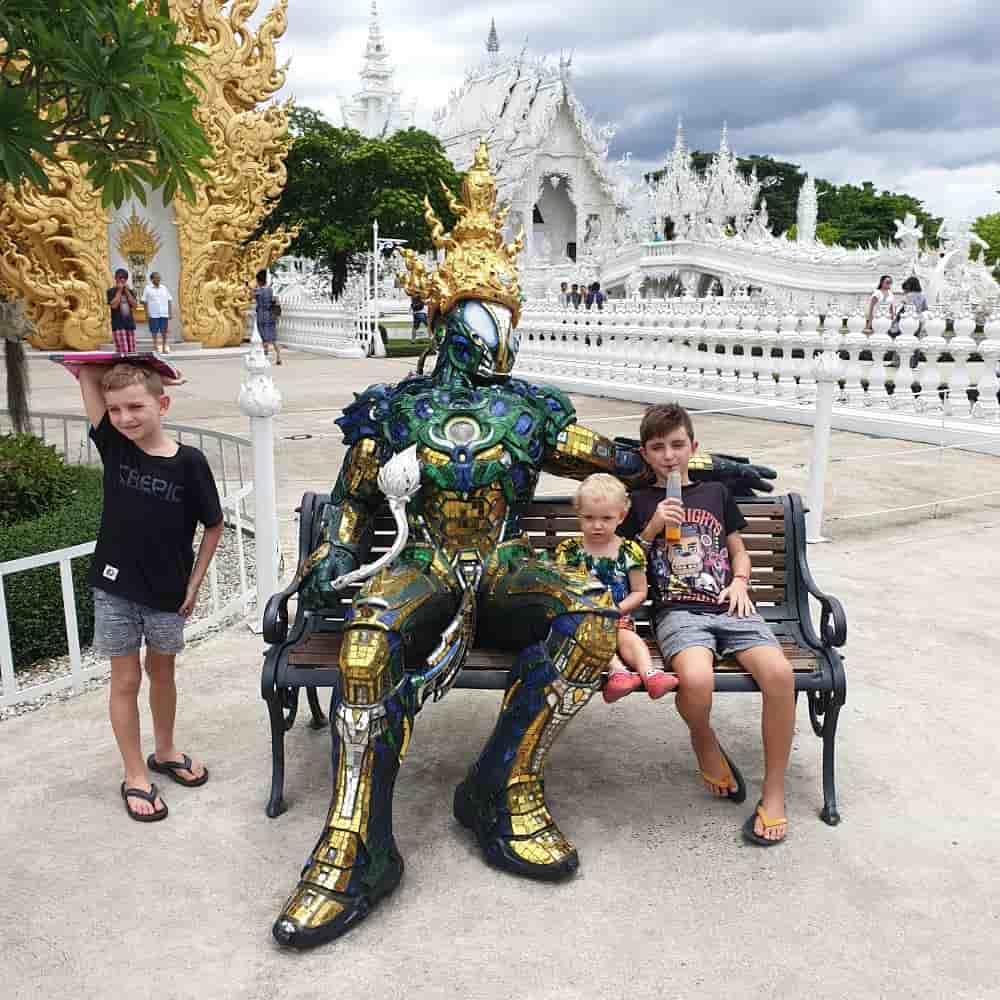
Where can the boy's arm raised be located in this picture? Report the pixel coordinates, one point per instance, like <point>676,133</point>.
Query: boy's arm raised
<point>92,393</point>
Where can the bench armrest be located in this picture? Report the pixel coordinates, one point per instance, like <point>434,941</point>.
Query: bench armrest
<point>832,618</point>
<point>275,620</point>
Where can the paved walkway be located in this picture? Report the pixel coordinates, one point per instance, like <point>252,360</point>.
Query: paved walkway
<point>899,901</point>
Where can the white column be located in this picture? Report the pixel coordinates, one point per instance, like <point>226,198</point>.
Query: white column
<point>826,370</point>
<point>260,400</point>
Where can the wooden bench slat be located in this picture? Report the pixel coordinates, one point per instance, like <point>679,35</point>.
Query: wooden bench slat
<point>323,649</point>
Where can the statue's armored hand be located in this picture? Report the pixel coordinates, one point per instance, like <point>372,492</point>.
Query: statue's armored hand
<point>740,476</point>
<point>321,568</point>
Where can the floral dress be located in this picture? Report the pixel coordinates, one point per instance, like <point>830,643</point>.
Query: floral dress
<point>612,572</point>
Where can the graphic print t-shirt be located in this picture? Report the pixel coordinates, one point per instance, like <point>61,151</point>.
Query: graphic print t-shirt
<point>151,507</point>
<point>689,574</point>
<point>612,572</point>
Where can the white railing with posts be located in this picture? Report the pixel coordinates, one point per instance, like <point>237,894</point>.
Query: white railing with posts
<point>220,609</point>
<point>229,455</point>
<point>826,373</point>
<point>232,465</point>
<point>324,327</point>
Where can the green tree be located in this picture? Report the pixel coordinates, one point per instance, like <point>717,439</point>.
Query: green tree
<point>105,81</point>
<point>826,232</point>
<point>864,215</point>
<point>339,182</point>
<point>987,227</point>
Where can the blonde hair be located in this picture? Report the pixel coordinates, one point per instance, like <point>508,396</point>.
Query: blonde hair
<point>601,486</point>
<point>121,376</point>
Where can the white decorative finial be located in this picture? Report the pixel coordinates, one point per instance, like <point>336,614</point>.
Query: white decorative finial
<point>259,396</point>
<point>492,41</point>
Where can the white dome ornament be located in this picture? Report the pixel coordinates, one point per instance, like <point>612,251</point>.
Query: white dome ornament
<point>259,396</point>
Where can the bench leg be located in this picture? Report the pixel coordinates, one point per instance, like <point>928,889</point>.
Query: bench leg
<point>830,813</point>
<point>275,710</point>
<point>319,720</point>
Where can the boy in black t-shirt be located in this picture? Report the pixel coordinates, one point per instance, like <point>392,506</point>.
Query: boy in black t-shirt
<point>702,609</point>
<point>144,573</point>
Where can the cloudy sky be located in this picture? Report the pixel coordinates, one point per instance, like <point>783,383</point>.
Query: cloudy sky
<point>902,94</point>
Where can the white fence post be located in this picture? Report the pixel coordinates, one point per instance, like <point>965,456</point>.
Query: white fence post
<point>826,368</point>
<point>260,400</point>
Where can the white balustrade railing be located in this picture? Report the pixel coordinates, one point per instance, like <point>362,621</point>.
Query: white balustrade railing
<point>324,327</point>
<point>932,379</point>
<point>231,460</point>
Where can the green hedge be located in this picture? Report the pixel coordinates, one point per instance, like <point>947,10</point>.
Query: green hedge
<point>33,478</point>
<point>34,598</point>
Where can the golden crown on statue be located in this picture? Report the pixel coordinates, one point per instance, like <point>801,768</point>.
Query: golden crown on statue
<point>478,263</point>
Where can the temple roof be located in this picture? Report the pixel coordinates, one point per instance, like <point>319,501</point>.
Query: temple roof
<point>513,103</point>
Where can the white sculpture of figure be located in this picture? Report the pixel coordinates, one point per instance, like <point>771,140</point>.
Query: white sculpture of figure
<point>909,234</point>
<point>545,249</point>
<point>805,216</point>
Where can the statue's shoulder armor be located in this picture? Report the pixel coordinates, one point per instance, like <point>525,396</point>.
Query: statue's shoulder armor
<point>363,418</point>
<point>555,405</point>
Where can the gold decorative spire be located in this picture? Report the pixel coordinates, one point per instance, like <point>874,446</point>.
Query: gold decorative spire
<point>478,263</point>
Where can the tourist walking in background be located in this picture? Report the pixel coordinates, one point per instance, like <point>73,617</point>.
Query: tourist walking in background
<point>159,308</point>
<point>882,296</point>
<point>575,296</point>
<point>267,314</point>
<point>419,310</point>
<point>122,301</point>
<point>595,297</point>
<point>564,293</point>
<point>914,304</point>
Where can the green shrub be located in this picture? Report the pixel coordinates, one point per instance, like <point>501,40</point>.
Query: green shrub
<point>34,597</point>
<point>33,478</point>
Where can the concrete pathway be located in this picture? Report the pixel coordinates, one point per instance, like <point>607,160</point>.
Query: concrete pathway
<point>899,901</point>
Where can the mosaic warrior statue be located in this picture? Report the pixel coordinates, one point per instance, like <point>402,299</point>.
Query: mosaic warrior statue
<point>477,440</point>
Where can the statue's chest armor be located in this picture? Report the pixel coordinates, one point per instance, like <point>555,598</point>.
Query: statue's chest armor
<point>480,454</point>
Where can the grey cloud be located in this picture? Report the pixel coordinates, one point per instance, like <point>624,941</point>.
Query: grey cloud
<point>909,85</point>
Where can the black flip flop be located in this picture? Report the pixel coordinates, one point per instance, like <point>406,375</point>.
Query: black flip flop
<point>171,767</point>
<point>740,793</point>
<point>741,787</point>
<point>149,797</point>
<point>751,836</point>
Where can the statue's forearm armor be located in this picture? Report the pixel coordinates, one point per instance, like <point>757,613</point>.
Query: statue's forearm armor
<point>580,451</point>
<point>345,534</point>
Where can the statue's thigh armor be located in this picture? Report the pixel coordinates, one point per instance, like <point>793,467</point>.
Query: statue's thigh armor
<point>395,620</point>
<point>526,600</point>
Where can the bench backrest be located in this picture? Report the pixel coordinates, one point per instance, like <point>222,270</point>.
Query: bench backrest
<point>769,538</point>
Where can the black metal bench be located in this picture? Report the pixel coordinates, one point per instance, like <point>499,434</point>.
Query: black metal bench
<point>304,654</point>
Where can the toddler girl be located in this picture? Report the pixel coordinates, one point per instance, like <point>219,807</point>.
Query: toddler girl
<point>620,564</point>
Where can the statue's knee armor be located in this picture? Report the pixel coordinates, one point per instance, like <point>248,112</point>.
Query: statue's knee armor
<point>370,664</point>
<point>581,645</point>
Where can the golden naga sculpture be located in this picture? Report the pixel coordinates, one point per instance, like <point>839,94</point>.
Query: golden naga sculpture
<point>54,247</point>
<point>479,264</point>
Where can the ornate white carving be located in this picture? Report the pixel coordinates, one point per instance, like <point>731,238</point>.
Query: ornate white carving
<point>259,396</point>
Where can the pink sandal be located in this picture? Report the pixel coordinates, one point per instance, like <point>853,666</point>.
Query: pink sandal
<point>619,684</point>
<point>659,682</point>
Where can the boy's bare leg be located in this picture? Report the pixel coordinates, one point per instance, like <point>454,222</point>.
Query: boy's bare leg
<point>773,674</point>
<point>694,669</point>
<point>123,708</point>
<point>163,706</point>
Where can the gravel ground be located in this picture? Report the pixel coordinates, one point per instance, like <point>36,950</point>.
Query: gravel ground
<point>228,570</point>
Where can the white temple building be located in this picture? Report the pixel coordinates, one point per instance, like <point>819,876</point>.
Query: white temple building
<point>550,160</point>
<point>377,110</point>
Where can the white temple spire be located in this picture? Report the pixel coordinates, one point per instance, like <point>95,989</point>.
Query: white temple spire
<point>376,109</point>
<point>724,140</point>
<point>805,221</point>
<point>492,41</point>
<point>680,143</point>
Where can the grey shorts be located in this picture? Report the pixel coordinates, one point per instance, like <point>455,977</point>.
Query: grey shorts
<point>724,634</point>
<point>121,624</point>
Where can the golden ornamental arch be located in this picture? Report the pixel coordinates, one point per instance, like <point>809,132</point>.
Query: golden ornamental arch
<point>54,246</point>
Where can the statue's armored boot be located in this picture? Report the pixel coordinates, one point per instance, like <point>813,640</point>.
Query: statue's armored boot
<point>503,797</point>
<point>355,861</point>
